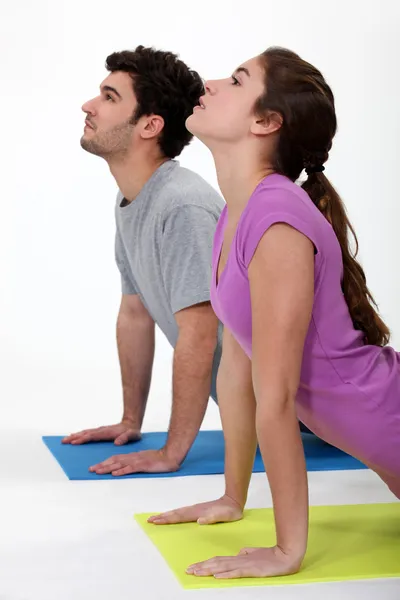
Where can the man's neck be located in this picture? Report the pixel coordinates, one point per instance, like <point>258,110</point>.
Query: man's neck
<point>132,173</point>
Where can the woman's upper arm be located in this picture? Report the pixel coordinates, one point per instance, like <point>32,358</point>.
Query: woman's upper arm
<point>281,276</point>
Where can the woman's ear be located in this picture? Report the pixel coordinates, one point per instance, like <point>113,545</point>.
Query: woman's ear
<point>270,123</point>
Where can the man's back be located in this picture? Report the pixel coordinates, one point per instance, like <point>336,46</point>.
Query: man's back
<point>164,246</point>
<point>164,243</point>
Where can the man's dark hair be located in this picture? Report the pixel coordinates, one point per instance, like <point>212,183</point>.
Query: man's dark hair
<point>165,86</point>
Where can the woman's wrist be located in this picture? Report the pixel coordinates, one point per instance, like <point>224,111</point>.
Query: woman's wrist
<point>294,548</point>
<point>294,556</point>
<point>234,500</point>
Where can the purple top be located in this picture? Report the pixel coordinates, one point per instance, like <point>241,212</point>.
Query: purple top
<point>349,392</point>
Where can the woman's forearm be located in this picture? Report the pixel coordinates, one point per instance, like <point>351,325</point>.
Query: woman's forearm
<point>238,409</point>
<point>283,456</point>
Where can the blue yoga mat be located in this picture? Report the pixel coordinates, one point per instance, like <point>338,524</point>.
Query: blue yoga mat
<point>206,457</point>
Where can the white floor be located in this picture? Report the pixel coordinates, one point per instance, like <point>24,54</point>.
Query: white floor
<point>63,540</point>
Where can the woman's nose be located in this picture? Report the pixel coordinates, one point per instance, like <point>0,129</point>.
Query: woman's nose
<point>210,87</point>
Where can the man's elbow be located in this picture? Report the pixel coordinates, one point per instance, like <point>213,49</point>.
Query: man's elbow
<point>204,340</point>
<point>198,327</point>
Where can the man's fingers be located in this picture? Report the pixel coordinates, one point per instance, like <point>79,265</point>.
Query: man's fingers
<point>103,434</point>
<point>114,462</point>
<point>73,436</point>
<point>121,459</point>
<point>128,436</point>
<point>91,435</point>
<point>82,439</point>
<point>122,439</point>
<point>103,469</point>
<point>88,435</point>
<point>117,472</point>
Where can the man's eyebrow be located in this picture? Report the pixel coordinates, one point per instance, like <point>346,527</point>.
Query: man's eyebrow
<point>108,88</point>
<point>242,70</point>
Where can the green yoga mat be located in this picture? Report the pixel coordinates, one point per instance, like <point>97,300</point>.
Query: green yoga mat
<point>345,543</point>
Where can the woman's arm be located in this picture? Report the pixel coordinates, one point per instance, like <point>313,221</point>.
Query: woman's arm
<point>238,410</point>
<point>281,276</point>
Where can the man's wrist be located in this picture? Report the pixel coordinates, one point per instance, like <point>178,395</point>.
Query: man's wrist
<point>175,454</point>
<point>130,421</point>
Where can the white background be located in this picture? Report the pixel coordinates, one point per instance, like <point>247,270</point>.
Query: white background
<point>59,286</point>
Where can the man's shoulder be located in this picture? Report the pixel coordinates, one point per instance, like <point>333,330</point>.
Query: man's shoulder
<point>187,188</point>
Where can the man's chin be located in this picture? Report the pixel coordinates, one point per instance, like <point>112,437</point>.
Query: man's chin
<point>90,146</point>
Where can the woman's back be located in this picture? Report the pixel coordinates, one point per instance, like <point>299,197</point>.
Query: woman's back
<point>350,391</point>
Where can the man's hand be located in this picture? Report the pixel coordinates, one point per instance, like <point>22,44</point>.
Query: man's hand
<point>120,434</point>
<point>146,461</point>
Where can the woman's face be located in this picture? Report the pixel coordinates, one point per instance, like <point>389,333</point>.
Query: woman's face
<point>226,112</point>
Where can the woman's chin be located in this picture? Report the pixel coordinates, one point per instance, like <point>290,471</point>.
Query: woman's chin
<point>191,123</point>
<point>197,129</point>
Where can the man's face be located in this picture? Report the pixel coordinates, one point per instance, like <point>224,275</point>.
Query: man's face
<point>108,126</point>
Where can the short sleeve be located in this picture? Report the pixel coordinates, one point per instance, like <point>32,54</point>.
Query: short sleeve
<point>186,255</point>
<point>127,283</point>
<point>265,212</point>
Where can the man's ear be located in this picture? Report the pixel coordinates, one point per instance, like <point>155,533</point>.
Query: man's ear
<point>152,126</point>
<point>267,124</point>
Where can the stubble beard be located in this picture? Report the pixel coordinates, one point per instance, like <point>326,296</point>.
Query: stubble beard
<point>109,144</point>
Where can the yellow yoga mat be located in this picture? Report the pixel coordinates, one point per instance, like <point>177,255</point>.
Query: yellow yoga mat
<point>345,543</point>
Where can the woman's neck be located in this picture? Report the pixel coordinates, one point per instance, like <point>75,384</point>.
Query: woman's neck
<point>238,175</point>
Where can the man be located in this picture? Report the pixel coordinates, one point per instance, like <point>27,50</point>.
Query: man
<point>165,222</point>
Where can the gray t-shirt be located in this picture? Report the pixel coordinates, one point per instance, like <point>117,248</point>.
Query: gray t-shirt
<point>163,246</point>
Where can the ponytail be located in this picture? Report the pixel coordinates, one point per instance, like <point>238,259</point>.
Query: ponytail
<point>357,295</point>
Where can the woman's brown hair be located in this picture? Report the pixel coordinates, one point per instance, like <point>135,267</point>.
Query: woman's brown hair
<point>299,93</point>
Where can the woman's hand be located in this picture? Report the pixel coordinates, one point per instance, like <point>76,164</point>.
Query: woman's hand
<point>250,562</point>
<point>223,510</point>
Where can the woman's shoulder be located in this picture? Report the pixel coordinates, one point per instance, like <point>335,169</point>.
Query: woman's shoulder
<point>278,200</point>
<point>277,193</point>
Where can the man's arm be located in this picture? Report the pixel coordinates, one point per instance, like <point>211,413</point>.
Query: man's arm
<point>192,369</point>
<point>193,359</point>
<point>135,340</point>
<point>185,260</point>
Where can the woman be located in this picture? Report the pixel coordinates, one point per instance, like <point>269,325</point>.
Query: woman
<point>302,338</point>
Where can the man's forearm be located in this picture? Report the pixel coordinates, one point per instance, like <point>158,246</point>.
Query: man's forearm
<point>135,339</point>
<point>192,371</point>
